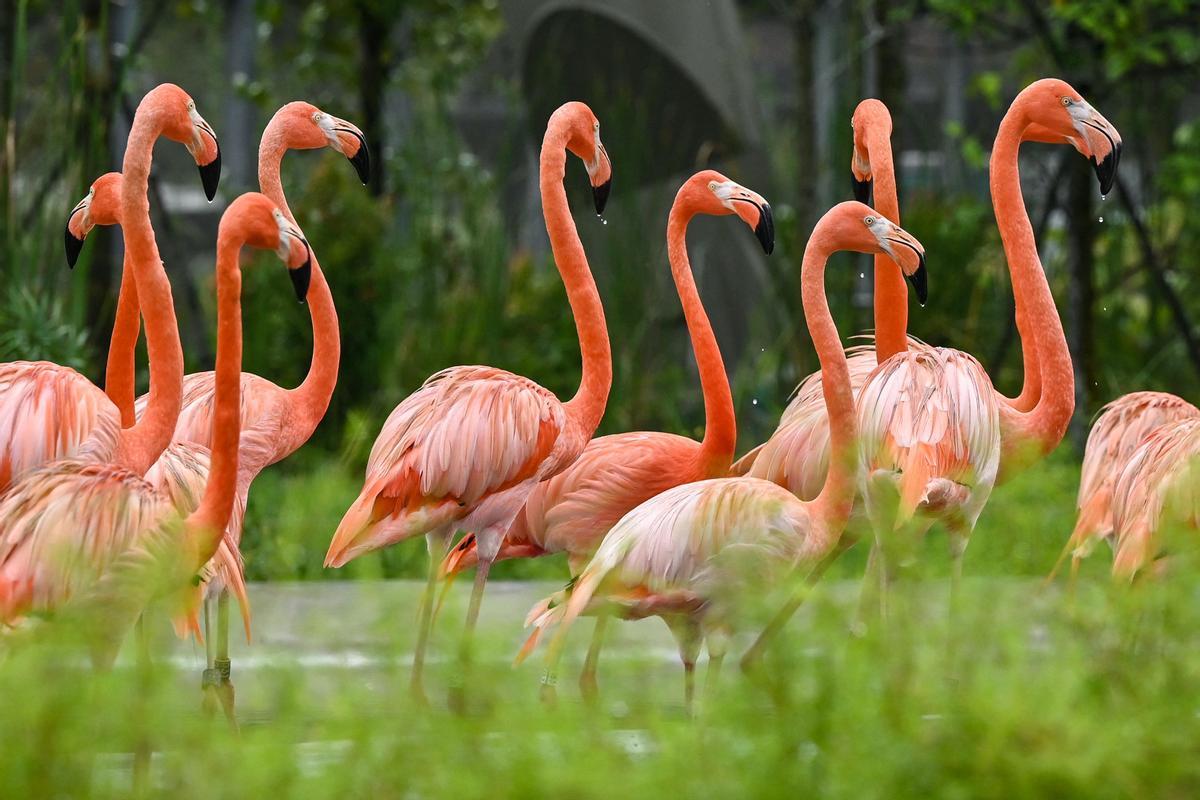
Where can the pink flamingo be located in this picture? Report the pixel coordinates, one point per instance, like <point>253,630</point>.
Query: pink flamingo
<point>49,411</point>
<point>275,421</point>
<point>573,511</point>
<point>931,418</point>
<point>1157,488</point>
<point>89,534</point>
<point>691,553</point>
<point>1119,431</point>
<point>466,449</point>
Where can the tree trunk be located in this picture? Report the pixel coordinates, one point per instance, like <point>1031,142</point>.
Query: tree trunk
<point>375,27</point>
<point>1081,293</point>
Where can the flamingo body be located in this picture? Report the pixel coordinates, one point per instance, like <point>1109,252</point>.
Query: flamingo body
<point>49,412</point>
<point>466,449</point>
<point>1120,429</point>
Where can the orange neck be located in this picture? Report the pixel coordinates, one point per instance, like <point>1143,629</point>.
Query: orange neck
<point>120,374</point>
<point>891,293</point>
<point>720,424</point>
<point>836,500</point>
<point>1043,344</point>
<point>206,523</point>
<point>140,445</point>
<point>586,408</point>
<point>309,401</point>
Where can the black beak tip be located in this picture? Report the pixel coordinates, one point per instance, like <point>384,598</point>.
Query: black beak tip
<point>301,276</point>
<point>74,245</point>
<point>600,195</point>
<point>1106,169</point>
<point>362,164</point>
<point>210,176</point>
<point>764,231</point>
<point>862,190</point>
<point>920,281</point>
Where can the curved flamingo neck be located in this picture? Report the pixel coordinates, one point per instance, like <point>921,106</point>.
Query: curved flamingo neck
<point>720,424</point>
<point>891,293</point>
<point>121,370</point>
<point>836,499</point>
<point>139,446</point>
<point>206,523</point>
<point>1046,423</point>
<point>586,408</point>
<point>309,401</point>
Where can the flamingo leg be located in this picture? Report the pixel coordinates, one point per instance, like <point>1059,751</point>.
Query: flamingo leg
<point>870,596</point>
<point>141,748</point>
<point>210,679</point>
<point>958,547</point>
<point>587,678</point>
<point>436,543</point>
<point>222,662</point>
<point>753,656</point>
<point>466,644</point>
<point>689,638</point>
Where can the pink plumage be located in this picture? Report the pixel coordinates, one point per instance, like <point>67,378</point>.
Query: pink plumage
<point>49,412</point>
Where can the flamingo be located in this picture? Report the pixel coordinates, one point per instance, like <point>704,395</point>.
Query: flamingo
<point>465,450</point>
<point>48,411</point>
<point>573,511</point>
<point>83,533</point>
<point>1119,431</point>
<point>1155,489</point>
<point>275,421</point>
<point>693,552</point>
<point>936,436</point>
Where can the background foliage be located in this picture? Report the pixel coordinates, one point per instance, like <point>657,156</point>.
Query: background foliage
<point>434,265</point>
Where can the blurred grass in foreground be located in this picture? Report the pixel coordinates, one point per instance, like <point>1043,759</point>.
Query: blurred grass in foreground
<point>1045,697</point>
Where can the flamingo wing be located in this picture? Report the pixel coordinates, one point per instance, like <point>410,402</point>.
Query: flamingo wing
<point>467,435</point>
<point>797,454</point>
<point>49,412</point>
<point>931,414</point>
<point>263,439</point>
<point>1120,428</point>
<point>64,525</point>
<point>1159,484</point>
<point>674,541</point>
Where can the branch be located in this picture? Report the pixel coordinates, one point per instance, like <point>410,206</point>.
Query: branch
<point>1159,274</point>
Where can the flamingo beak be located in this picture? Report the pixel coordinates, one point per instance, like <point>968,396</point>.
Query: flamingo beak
<point>1106,168</point>
<point>764,231</point>
<point>210,175</point>
<point>862,189</point>
<point>74,245</point>
<point>362,156</point>
<point>920,282</point>
<point>600,195</point>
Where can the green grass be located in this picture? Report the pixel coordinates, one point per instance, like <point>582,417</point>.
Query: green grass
<point>1035,694</point>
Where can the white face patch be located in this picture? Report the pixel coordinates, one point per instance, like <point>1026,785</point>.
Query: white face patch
<point>1081,114</point>
<point>728,190</point>
<point>881,228</point>
<point>284,250</point>
<point>593,166</point>
<point>198,127</point>
<point>327,123</point>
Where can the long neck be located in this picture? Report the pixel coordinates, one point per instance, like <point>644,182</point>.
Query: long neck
<point>140,445</point>
<point>836,499</point>
<point>720,424</point>
<point>891,294</point>
<point>1046,423</point>
<point>586,408</point>
<point>206,523</point>
<point>120,374</point>
<point>308,401</point>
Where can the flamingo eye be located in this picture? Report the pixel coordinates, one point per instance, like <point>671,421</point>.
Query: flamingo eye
<point>869,221</point>
<point>1066,101</point>
<point>712,186</point>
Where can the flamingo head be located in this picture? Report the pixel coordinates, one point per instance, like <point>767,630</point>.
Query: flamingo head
<point>870,119</point>
<point>719,196</point>
<point>261,224</point>
<point>182,123</point>
<point>306,127</point>
<point>863,229</point>
<point>1058,114</point>
<point>584,142</point>
<point>101,206</point>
